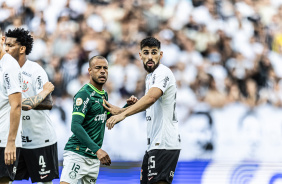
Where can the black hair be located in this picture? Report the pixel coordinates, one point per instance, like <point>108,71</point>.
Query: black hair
<point>23,37</point>
<point>150,42</point>
<point>96,57</point>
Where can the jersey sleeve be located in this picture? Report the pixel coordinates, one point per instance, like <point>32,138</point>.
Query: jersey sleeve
<point>13,80</point>
<point>40,79</point>
<point>80,107</point>
<point>162,80</point>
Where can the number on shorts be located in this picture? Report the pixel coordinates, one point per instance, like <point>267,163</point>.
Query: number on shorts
<point>41,161</point>
<point>151,163</point>
<point>75,167</point>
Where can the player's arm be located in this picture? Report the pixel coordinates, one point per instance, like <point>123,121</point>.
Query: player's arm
<point>15,115</point>
<point>145,102</point>
<point>83,137</point>
<point>34,101</point>
<point>114,110</point>
<point>46,104</point>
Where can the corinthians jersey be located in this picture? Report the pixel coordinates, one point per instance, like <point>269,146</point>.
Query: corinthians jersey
<point>88,104</point>
<point>162,124</point>
<point>38,130</point>
<point>10,82</point>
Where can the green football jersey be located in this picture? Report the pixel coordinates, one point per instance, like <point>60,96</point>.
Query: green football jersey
<point>88,109</point>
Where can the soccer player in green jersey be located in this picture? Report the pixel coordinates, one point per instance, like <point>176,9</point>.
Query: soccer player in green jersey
<point>83,152</point>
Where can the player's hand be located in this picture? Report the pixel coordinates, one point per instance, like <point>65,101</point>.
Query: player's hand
<point>111,108</point>
<point>113,120</point>
<point>10,153</point>
<point>132,100</point>
<point>49,87</point>
<point>103,157</point>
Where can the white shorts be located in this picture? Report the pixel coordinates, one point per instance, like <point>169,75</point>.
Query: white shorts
<point>79,168</point>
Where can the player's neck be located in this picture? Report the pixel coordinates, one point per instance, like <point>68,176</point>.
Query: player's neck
<point>22,60</point>
<point>97,86</point>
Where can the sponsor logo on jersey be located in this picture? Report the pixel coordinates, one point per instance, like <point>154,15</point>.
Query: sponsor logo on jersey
<point>165,81</point>
<point>152,174</point>
<point>27,74</point>
<point>20,79</point>
<point>25,87</point>
<point>78,101</point>
<point>150,178</point>
<point>44,172</point>
<point>72,175</point>
<point>26,139</point>
<point>101,117</point>
<point>85,104</point>
<point>39,82</point>
<point>42,177</point>
<point>154,78</point>
<point>7,80</point>
<point>26,117</point>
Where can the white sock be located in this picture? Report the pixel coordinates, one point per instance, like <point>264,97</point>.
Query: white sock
<point>48,182</point>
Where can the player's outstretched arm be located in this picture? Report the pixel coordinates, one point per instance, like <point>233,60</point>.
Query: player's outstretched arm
<point>15,115</point>
<point>34,101</point>
<point>114,110</point>
<point>145,102</point>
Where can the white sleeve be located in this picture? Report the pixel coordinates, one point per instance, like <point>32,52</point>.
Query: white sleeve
<point>13,80</point>
<point>40,78</point>
<point>162,80</point>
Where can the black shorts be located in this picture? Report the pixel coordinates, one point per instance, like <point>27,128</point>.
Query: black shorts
<point>8,171</point>
<point>158,165</point>
<point>40,164</point>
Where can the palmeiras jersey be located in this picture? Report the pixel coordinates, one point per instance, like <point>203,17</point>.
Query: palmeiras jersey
<point>162,124</point>
<point>10,82</point>
<point>88,104</point>
<point>38,130</point>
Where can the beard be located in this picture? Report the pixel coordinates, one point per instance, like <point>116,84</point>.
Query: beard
<point>98,82</point>
<point>150,69</point>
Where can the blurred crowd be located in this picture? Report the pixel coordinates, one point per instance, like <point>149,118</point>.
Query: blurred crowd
<point>221,52</point>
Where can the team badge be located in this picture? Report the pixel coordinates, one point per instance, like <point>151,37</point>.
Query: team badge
<point>72,175</point>
<point>78,102</point>
<point>25,87</point>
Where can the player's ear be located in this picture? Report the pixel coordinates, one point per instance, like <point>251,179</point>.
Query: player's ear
<point>89,70</point>
<point>3,39</point>
<point>22,49</point>
<point>140,55</point>
<point>161,54</point>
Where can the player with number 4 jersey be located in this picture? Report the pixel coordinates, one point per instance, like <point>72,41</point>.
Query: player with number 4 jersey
<point>39,156</point>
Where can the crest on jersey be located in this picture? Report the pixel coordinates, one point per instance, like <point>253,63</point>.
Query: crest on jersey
<point>78,102</point>
<point>25,87</point>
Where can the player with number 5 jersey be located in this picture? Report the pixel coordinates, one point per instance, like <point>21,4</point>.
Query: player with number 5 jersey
<point>163,150</point>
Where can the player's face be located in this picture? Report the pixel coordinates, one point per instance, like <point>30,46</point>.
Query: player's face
<point>12,47</point>
<point>151,58</point>
<point>99,71</point>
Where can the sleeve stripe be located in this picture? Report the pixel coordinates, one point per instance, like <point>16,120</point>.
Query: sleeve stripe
<point>78,113</point>
<point>108,113</point>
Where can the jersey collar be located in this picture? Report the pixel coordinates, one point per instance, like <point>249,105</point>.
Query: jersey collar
<point>96,90</point>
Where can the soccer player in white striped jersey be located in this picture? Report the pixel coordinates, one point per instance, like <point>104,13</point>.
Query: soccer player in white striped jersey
<point>39,157</point>
<point>10,114</point>
<point>163,150</point>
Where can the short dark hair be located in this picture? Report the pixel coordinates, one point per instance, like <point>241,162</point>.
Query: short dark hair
<point>23,37</point>
<point>96,57</point>
<point>150,42</point>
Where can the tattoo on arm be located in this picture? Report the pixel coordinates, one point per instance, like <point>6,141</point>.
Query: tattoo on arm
<point>46,104</point>
<point>38,103</point>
